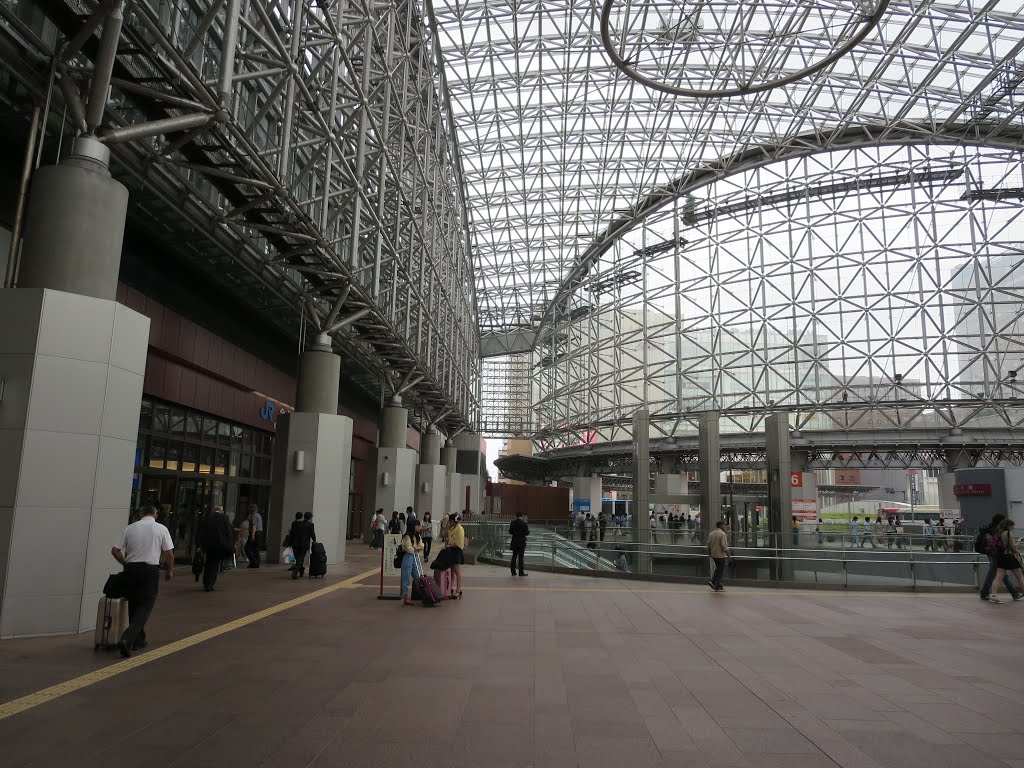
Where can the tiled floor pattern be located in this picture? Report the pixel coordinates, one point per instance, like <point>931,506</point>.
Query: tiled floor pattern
<point>550,670</point>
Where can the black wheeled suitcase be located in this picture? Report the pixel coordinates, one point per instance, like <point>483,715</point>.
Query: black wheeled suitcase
<point>317,560</point>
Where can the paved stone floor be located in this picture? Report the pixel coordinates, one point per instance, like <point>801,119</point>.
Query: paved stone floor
<point>550,670</point>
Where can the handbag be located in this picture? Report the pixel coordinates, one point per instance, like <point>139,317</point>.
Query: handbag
<point>116,585</point>
<point>399,555</point>
<point>288,556</point>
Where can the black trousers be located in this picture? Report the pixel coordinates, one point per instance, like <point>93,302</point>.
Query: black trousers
<point>716,579</point>
<point>300,560</point>
<point>252,549</point>
<point>142,582</point>
<point>212,567</point>
<point>517,555</point>
<point>427,541</point>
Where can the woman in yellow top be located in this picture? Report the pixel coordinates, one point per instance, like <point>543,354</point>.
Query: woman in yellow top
<point>412,546</point>
<point>457,543</point>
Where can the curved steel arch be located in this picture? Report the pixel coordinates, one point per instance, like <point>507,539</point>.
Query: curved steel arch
<point>866,26</point>
<point>853,137</point>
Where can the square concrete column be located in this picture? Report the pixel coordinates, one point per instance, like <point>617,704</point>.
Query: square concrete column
<point>73,369</point>
<point>642,491</point>
<point>312,462</point>
<point>587,489</point>
<point>395,483</point>
<point>780,488</point>
<point>431,490</point>
<point>709,467</point>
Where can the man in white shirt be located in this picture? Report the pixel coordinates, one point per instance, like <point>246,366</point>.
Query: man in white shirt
<point>139,550</point>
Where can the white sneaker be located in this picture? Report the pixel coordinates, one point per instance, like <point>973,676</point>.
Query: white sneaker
<point>994,599</point>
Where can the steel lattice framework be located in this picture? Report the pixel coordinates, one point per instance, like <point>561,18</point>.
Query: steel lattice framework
<point>843,247</point>
<point>298,152</point>
<point>432,183</point>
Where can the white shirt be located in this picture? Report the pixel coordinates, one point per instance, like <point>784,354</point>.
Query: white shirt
<point>144,541</point>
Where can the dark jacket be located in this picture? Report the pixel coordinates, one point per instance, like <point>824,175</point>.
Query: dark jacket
<point>519,531</point>
<point>301,534</point>
<point>216,534</point>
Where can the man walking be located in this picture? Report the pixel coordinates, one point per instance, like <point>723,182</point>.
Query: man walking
<point>718,550</point>
<point>139,550</point>
<point>519,530</point>
<point>252,546</point>
<point>301,536</point>
<point>217,538</point>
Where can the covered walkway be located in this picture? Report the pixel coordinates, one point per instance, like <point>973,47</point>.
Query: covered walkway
<point>550,670</point>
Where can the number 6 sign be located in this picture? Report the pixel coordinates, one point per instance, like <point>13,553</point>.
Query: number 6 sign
<point>796,480</point>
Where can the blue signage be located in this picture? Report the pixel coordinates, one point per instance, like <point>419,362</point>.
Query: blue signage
<point>267,412</point>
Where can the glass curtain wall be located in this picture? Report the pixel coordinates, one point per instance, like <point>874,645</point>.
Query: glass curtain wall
<point>187,462</point>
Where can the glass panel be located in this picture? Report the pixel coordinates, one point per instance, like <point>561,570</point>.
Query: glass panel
<point>246,469</point>
<point>247,440</point>
<point>161,418</point>
<point>225,430</point>
<point>173,456</point>
<point>206,460</point>
<point>146,414</point>
<point>233,462</point>
<point>210,430</point>
<point>157,453</point>
<point>189,455</point>
<point>177,421</point>
<point>221,467</point>
<point>194,424</point>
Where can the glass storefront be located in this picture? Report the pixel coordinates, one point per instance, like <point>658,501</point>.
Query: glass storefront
<point>187,462</point>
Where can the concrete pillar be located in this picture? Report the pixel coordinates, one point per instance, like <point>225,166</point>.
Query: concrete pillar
<point>586,494</point>
<point>430,447</point>
<point>946,480</point>
<point>780,485</point>
<point>709,466</point>
<point>469,462</point>
<point>74,225</point>
<point>449,457</point>
<point>431,477</point>
<point>73,362</point>
<point>395,478</point>
<point>319,378</point>
<point>312,457</point>
<point>641,561</point>
<point>394,422</point>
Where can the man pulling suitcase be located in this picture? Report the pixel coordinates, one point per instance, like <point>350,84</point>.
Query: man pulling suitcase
<point>141,547</point>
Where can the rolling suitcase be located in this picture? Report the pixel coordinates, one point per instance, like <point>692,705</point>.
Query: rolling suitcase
<point>447,584</point>
<point>317,560</point>
<point>111,621</point>
<point>430,595</point>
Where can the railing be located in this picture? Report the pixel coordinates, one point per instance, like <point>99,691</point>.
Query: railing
<point>847,560</point>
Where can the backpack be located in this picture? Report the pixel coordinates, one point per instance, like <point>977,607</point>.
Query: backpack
<point>994,544</point>
<point>373,523</point>
<point>981,542</point>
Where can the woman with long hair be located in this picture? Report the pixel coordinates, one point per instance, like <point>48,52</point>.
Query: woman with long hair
<point>1008,558</point>
<point>427,534</point>
<point>395,526</point>
<point>412,546</point>
<point>457,544</point>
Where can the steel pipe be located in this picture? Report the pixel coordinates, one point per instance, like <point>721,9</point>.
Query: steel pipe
<point>19,208</point>
<point>155,128</point>
<point>104,68</point>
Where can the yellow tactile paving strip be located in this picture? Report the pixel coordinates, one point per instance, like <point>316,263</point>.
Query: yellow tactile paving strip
<point>25,703</point>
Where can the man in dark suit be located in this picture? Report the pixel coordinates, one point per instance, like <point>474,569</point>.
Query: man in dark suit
<point>519,530</point>
<point>301,536</point>
<point>217,538</point>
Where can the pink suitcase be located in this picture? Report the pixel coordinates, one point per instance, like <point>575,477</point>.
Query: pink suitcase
<point>447,584</point>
